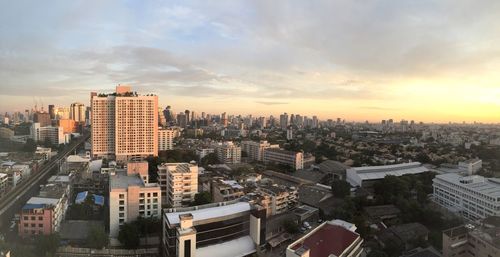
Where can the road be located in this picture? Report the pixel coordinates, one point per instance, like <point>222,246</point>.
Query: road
<point>18,193</point>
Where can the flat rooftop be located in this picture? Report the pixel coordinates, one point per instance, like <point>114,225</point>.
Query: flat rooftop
<point>239,247</point>
<point>209,213</point>
<point>328,239</point>
<point>379,172</point>
<point>122,181</point>
<point>486,186</point>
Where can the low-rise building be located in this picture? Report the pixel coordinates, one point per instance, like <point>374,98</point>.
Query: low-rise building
<point>226,190</point>
<point>225,229</point>
<point>277,199</point>
<point>228,152</point>
<point>279,156</point>
<point>367,176</point>
<point>332,238</point>
<point>178,182</point>
<point>478,240</point>
<point>202,152</point>
<point>471,166</point>
<point>129,198</point>
<point>472,197</point>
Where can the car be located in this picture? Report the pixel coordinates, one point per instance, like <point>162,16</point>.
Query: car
<point>303,229</point>
<point>307,225</point>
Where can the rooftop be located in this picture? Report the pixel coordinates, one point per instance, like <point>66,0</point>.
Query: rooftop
<point>43,200</point>
<point>212,212</point>
<point>326,240</point>
<point>482,185</point>
<point>379,172</point>
<point>239,247</point>
<point>122,180</point>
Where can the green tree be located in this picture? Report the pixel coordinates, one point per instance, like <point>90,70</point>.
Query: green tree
<point>209,159</point>
<point>46,245</point>
<point>377,253</point>
<point>202,198</point>
<point>97,238</point>
<point>129,236</point>
<point>29,146</point>
<point>340,188</point>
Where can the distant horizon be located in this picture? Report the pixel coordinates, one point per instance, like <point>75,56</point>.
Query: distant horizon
<point>425,61</point>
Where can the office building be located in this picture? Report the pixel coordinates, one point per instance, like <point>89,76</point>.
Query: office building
<point>283,157</point>
<point>331,238</point>
<point>124,125</point>
<point>52,112</point>
<point>130,197</point>
<point>77,112</point>
<point>228,152</point>
<point>178,182</point>
<point>255,150</point>
<point>54,135</point>
<point>367,176</point>
<point>224,229</point>
<point>473,240</point>
<point>62,113</point>
<point>472,197</point>
<point>165,139</point>
<point>43,118</point>
<point>284,122</point>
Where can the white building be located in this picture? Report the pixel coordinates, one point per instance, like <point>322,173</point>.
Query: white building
<point>228,152</point>
<point>471,166</point>
<point>472,197</point>
<point>55,135</point>
<point>202,152</point>
<point>178,182</point>
<point>129,198</point>
<point>255,150</point>
<point>366,176</point>
<point>280,156</point>
<point>165,139</point>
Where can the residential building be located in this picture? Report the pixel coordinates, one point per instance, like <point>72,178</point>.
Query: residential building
<point>255,150</point>
<point>43,118</point>
<point>202,152</point>
<point>130,197</point>
<point>55,135</point>
<point>228,152</point>
<point>331,238</point>
<point>284,121</point>
<point>472,197</point>
<point>366,176</point>
<point>77,112</point>
<point>277,199</point>
<point>279,156</point>
<point>473,240</point>
<point>124,125</point>
<point>226,190</point>
<point>178,182</point>
<point>165,139</point>
<point>471,166</point>
<point>225,229</point>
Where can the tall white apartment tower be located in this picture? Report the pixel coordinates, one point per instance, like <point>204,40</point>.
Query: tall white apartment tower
<point>124,125</point>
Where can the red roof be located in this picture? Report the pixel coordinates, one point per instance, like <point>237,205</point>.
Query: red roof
<point>329,239</point>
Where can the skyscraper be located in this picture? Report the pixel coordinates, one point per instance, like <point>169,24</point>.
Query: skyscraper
<point>52,112</point>
<point>124,125</point>
<point>284,121</point>
<point>77,112</point>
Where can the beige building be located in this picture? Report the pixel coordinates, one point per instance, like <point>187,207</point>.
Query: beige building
<point>255,150</point>
<point>166,139</point>
<point>178,182</point>
<point>226,190</point>
<point>130,197</point>
<point>77,112</point>
<point>277,200</point>
<point>284,157</point>
<point>124,125</point>
<point>228,152</point>
<point>479,240</point>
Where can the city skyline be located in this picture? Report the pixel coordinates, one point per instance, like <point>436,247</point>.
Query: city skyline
<point>427,61</point>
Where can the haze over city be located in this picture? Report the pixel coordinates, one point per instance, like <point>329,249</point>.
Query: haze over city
<point>431,61</point>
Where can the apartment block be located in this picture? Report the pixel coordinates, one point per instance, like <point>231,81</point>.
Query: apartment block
<point>279,156</point>
<point>226,190</point>
<point>55,135</point>
<point>228,152</point>
<point>472,197</point>
<point>124,125</point>
<point>202,152</point>
<point>130,197</point>
<point>77,112</point>
<point>277,199</point>
<point>178,182</point>
<point>255,150</point>
<point>166,139</point>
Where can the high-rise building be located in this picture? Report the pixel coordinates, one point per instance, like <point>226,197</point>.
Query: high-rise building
<point>54,135</point>
<point>284,122</point>
<point>43,118</point>
<point>228,152</point>
<point>178,182</point>
<point>62,112</point>
<point>223,118</point>
<point>77,112</point>
<point>165,139</point>
<point>124,125</point>
<point>52,112</point>
<point>182,120</point>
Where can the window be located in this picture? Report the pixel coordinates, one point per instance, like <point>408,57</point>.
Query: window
<point>122,208</point>
<point>40,225</point>
<point>141,195</point>
<point>25,225</point>
<point>121,215</point>
<point>25,218</point>
<point>122,196</point>
<point>33,217</point>
<point>122,202</point>
<point>40,218</point>
<point>155,194</point>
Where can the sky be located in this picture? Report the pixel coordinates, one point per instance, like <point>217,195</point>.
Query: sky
<point>359,60</point>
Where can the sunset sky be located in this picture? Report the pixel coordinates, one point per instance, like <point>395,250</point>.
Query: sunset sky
<point>360,60</point>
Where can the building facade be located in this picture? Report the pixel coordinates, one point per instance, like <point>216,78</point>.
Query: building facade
<point>226,190</point>
<point>228,152</point>
<point>55,135</point>
<point>472,197</point>
<point>124,125</point>
<point>166,139</point>
<point>77,112</point>
<point>178,182</point>
<point>279,156</point>
<point>255,150</point>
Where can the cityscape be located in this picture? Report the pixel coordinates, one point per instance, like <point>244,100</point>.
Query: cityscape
<point>249,129</point>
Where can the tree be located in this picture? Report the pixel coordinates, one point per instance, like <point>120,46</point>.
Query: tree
<point>340,188</point>
<point>209,159</point>
<point>46,245</point>
<point>129,236</point>
<point>291,226</point>
<point>377,253</point>
<point>202,198</point>
<point>29,146</point>
<point>97,238</point>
